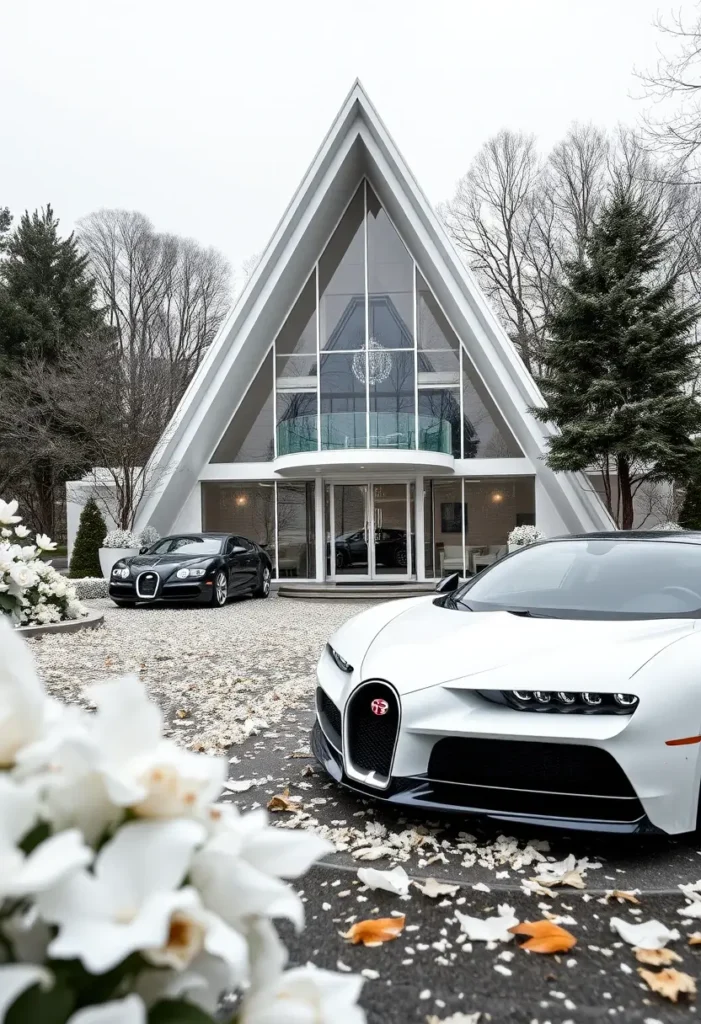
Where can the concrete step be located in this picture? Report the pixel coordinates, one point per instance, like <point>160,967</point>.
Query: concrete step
<point>342,592</point>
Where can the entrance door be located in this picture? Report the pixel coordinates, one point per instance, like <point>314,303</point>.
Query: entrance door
<point>369,531</point>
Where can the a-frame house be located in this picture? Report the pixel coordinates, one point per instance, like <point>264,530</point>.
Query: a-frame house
<point>362,412</point>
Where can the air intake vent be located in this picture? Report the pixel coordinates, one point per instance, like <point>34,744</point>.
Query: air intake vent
<point>372,724</point>
<point>329,718</point>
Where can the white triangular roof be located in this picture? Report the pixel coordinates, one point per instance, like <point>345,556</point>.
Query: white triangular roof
<point>357,144</point>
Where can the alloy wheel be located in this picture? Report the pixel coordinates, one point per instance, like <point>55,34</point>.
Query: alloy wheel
<point>220,588</point>
<point>266,581</point>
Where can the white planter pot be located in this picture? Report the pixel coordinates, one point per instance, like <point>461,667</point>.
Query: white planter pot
<point>110,556</point>
<point>515,547</point>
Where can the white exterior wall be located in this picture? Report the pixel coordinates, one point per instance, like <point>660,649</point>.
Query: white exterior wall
<point>189,518</point>
<point>547,518</point>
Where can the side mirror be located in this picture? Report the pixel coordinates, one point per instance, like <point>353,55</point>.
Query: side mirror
<point>144,550</point>
<point>448,584</point>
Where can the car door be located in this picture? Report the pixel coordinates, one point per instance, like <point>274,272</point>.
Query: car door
<point>250,560</point>
<point>233,556</point>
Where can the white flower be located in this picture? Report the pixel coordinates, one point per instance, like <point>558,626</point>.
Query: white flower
<point>201,983</point>
<point>5,532</point>
<point>306,995</point>
<point>117,759</point>
<point>51,861</point>
<point>121,539</point>
<point>239,870</point>
<point>523,535</point>
<point>122,1011</point>
<point>22,531</point>
<point>7,513</point>
<point>22,699</point>
<point>128,902</point>
<point>45,543</point>
<point>16,979</point>
<point>22,576</point>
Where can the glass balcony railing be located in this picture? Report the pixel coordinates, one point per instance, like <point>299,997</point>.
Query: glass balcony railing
<point>341,430</point>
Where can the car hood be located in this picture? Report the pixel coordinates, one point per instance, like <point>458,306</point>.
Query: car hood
<point>423,645</point>
<point>165,564</point>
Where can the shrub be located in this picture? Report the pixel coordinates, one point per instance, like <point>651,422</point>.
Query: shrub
<point>32,592</point>
<point>85,560</point>
<point>121,539</point>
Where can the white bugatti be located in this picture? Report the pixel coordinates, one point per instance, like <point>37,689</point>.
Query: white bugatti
<point>559,686</point>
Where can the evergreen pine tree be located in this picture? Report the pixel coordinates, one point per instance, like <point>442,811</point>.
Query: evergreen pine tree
<point>85,560</point>
<point>621,357</point>
<point>690,514</point>
<point>46,294</point>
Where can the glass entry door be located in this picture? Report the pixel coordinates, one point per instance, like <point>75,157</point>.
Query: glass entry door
<point>369,533</point>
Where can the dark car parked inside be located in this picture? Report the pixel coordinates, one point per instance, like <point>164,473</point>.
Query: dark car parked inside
<point>205,568</point>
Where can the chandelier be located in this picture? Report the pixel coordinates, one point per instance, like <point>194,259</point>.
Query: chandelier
<point>376,366</point>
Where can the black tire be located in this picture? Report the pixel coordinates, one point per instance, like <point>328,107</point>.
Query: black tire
<point>400,558</point>
<point>123,604</point>
<point>340,559</point>
<point>220,590</point>
<point>262,588</point>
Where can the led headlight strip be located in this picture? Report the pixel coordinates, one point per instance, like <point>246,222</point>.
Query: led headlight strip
<point>565,701</point>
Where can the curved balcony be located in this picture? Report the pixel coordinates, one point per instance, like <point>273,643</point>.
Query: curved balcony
<point>343,430</point>
<point>344,441</point>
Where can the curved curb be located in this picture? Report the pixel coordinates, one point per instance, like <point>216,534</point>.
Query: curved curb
<point>89,621</point>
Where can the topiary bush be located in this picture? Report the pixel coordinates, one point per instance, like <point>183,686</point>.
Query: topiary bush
<point>85,560</point>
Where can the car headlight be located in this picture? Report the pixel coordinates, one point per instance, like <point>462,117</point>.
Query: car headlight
<point>564,702</point>
<point>120,572</point>
<point>183,574</point>
<point>341,662</point>
<point>197,572</point>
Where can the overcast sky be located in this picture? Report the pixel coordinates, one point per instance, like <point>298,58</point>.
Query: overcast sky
<point>204,115</point>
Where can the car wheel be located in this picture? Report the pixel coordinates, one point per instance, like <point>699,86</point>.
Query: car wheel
<point>263,586</point>
<point>220,589</point>
<point>400,558</point>
<point>340,559</point>
<point>123,604</point>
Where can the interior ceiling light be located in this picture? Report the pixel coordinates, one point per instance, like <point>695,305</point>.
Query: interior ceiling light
<point>378,360</point>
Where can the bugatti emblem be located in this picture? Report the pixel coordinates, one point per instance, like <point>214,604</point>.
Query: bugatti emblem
<point>379,706</point>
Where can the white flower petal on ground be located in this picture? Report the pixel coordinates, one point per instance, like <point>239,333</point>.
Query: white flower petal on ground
<point>490,929</point>
<point>306,995</point>
<point>127,904</point>
<point>7,513</point>
<point>239,870</point>
<point>21,695</point>
<point>691,909</point>
<point>396,880</point>
<point>122,1011</point>
<point>646,935</point>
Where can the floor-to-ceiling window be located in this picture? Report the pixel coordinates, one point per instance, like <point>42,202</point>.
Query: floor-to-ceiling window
<point>368,359</point>
<point>278,515</point>
<point>467,522</point>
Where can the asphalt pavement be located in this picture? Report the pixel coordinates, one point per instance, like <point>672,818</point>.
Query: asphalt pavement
<point>428,971</point>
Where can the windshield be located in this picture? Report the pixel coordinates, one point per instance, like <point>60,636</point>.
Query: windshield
<point>591,578</point>
<point>187,546</point>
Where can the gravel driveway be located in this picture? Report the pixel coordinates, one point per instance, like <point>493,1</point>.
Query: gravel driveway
<point>213,671</point>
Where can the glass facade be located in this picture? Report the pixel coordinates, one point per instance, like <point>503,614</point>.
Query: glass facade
<point>467,521</point>
<point>277,515</point>
<point>366,359</point>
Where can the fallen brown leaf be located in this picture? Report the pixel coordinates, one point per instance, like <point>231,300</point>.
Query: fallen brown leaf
<point>545,937</point>
<point>182,713</point>
<point>307,770</point>
<point>656,957</point>
<point>282,802</point>
<point>669,983</point>
<point>694,938</point>
<point>375,931</point>
<point>622,895</point>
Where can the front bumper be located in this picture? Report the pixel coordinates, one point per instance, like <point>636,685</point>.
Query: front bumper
<point>196,591</point>
<point>421,795</point>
